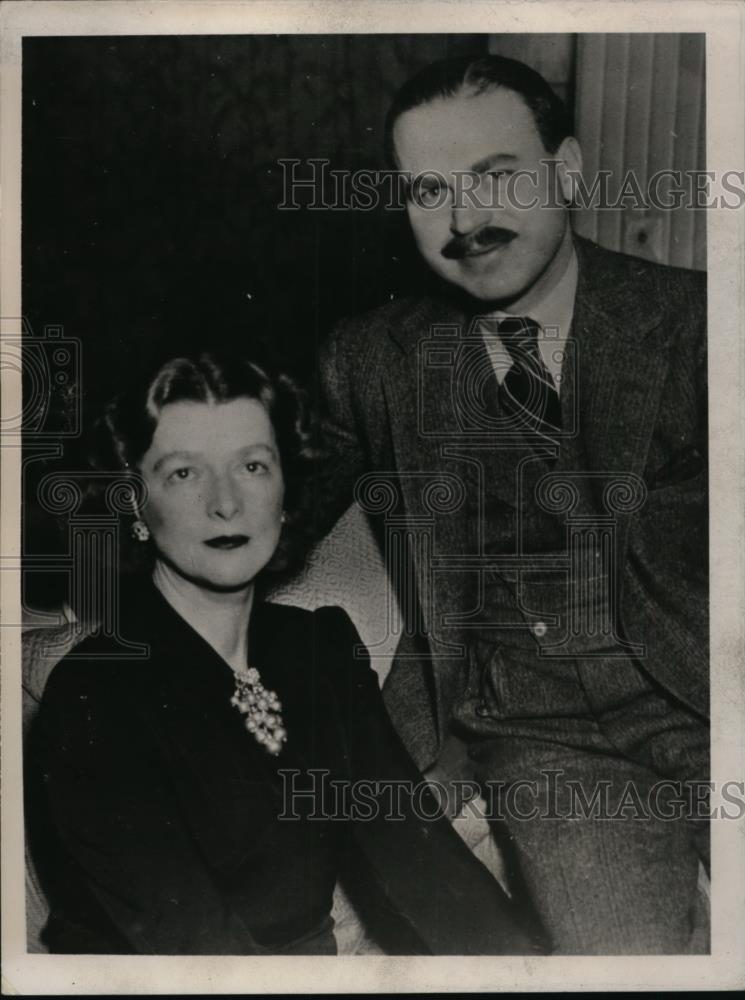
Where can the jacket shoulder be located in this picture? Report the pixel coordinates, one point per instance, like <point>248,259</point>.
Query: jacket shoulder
<point>389,315</point>
<point>373,329</point>
<point>663,279</point>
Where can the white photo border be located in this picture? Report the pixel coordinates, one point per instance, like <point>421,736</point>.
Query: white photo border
<point>724,24</point>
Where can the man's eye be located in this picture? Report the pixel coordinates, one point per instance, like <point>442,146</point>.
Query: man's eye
<point>498,175</point>
<point>430,196</point>
<point>256,468</point>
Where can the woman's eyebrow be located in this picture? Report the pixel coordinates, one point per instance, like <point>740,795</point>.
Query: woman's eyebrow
<point>173,454</point>
<point>191,455</point>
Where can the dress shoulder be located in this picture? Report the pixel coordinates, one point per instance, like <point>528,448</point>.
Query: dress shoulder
<point>286,614</point>
<point>333,625</point>
<point>344,655</point>
<point>41,650</point>
<point>93,667</point>
<point>329,621</point>
<point>324,639</point>
<point>334,617</point>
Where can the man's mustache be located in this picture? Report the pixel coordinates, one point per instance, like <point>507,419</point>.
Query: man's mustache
<point>483,239</point>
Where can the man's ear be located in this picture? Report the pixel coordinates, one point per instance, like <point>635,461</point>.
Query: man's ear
<point>569,166</point>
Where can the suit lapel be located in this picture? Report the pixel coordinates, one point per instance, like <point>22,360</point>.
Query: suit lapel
<point>419,398</point>
<point>452,419</point>
<point>622,358</point>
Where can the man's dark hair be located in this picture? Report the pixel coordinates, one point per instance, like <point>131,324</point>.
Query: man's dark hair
<point>469,76</point>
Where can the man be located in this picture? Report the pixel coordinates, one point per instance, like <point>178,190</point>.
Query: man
<point>532,436</point>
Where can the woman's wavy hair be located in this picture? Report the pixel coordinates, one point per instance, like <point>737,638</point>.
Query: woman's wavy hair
<point>125,432</point>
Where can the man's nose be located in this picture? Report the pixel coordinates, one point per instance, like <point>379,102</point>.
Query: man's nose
<point>225,499</point>
<point>466,217</point>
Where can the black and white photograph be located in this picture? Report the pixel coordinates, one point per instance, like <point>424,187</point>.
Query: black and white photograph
<point>372,551</point>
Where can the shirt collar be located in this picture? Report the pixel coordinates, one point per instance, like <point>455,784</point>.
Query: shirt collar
<point>556,309</point>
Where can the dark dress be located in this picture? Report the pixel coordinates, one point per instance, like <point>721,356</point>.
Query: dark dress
<point>174,832</point>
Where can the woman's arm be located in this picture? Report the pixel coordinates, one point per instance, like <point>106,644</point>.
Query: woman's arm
<point>407,861</point>
<point>115,816</point>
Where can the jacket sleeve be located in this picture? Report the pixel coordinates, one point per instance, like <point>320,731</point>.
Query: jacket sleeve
<point>343,458</point>
<point>119,826</point>
<point>408,869</point>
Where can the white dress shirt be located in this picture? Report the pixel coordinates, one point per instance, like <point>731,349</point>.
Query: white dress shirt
<point>554,316</point>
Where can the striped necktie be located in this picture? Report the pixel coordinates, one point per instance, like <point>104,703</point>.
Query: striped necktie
<point>528,392</point>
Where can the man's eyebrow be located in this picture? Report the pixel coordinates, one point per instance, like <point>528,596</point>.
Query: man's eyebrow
<point>492,161</point>
<point>260,446</point>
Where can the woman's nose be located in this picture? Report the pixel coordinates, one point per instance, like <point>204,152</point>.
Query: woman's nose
<point>225,499</point>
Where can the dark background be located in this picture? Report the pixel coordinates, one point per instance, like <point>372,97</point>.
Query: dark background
<point>150,187</point>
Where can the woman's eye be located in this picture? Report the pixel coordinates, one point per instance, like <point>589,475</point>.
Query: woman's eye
<point>181,475</point>
<point>255,467</point>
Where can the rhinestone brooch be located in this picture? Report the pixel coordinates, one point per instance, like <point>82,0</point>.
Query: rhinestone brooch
<point>262,710</point>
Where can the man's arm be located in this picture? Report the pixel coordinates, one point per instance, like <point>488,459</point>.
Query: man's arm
<point>343,453</point>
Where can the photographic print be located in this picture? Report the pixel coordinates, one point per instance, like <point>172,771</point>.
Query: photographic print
<point>372,554</point>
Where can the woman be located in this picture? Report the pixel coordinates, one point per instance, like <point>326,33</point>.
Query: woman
<point>196,792</point>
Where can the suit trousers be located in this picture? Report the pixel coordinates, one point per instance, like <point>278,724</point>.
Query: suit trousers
<point>604,801</point>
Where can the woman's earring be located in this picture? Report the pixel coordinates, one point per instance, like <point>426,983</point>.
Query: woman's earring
<point>284,517</point>
<point>140,530</point>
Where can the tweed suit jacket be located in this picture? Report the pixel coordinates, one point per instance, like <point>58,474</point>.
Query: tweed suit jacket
<point>638,390</point>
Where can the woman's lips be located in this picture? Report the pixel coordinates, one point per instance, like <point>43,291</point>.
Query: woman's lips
<point>227,541</point>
